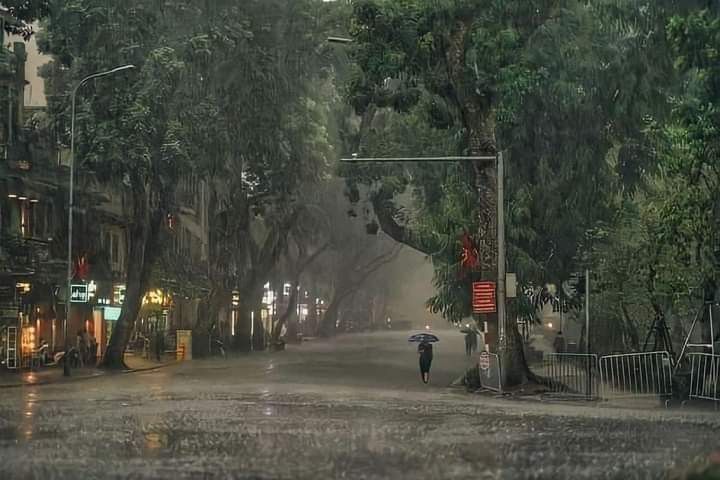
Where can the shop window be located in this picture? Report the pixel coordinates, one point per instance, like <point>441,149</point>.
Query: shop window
<point>26,219</point>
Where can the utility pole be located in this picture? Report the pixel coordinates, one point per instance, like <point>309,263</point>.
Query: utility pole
<point>501,251</point>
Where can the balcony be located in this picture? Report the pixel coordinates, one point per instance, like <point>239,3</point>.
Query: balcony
<point>23,254</point>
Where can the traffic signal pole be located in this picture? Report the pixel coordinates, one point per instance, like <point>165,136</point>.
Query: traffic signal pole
<point>501,250</point>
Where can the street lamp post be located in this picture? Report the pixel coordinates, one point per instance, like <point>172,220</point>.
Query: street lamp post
<point>71,205</point>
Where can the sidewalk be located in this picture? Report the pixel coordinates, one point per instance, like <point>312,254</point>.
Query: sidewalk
<point>54,374</point>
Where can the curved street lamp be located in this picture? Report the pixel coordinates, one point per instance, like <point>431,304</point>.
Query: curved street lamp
<point>66,362</point>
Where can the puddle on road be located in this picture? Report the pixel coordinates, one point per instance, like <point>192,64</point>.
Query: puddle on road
<point>27,434</point>
<point>155,442</point>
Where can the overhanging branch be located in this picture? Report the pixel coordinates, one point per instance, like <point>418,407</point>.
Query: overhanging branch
<point>386,218</point>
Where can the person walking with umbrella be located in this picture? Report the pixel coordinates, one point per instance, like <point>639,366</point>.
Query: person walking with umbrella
<point>425,351</point>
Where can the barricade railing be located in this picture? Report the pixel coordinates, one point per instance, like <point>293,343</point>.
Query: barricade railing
<point>573,375</point>
<point>636,375</point>
<point>490,371</point>
<point>704,376</point>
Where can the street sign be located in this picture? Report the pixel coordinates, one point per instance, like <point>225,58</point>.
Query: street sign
<point>510,285</point>
<point>484,361</point>
<point>78,293</point>
<point>483,297</point>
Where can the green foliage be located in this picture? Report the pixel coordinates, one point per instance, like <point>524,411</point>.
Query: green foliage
<point>573,88</point>
<point>22,13</point>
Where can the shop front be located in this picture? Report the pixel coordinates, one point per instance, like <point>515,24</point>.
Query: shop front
<point>28,323</point>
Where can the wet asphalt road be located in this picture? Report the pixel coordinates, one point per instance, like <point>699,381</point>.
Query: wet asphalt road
<point>350,408</point>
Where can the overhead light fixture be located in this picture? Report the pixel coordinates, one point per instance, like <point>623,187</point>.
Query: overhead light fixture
<point>22,198</point>
<point>34,200</point>
<point>12,195</point>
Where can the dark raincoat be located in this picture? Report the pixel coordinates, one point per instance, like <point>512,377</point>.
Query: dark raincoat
<point>426,355</point>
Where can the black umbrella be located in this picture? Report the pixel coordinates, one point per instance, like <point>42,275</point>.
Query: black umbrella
<point>423,338</point>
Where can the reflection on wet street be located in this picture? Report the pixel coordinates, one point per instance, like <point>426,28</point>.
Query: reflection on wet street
<point>353,407</point>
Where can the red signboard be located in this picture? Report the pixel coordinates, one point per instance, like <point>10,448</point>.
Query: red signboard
<point>483,299</point>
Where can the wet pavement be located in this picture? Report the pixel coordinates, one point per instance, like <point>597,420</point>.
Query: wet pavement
<point>353,407</point>
<point>54,373</point>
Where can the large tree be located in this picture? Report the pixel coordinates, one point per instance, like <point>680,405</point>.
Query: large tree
<point>268,141</point>
<point>130,128</point>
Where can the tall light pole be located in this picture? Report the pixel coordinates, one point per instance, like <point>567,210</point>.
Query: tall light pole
<point>71,205</point>
<point>501,250</point>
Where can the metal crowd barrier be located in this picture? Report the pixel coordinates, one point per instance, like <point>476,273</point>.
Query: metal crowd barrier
<point>636,375</point>
<point>573,375</point>
<point>490,373</point>
<point>704,376</point>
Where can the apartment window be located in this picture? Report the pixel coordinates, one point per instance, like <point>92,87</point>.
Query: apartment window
<point>49,224</point>
<point>115,249</point>
<point>25,219</point>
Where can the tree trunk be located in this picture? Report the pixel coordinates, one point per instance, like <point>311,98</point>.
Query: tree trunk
<point>329,320</point>
<point>630,329</point>
<point>210,310</point>
<point>289,311</point>
<point>143,235</point>
<point>251,293</point>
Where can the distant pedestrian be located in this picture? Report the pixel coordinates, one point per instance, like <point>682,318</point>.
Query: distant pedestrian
<point>159,343</point>
<point>81,347</point>
<point>43,352</point>
<point>468,343</point>
<point>559,343</point>
<point>93,348</point>
<point>86,341</point>
<point>425,350</point>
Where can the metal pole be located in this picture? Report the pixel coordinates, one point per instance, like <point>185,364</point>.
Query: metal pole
<point>356,159</point>
<point>587,311</point>
<point>252,331</point>
<point>713,363</point>
<point>71,205</point>
<point>687,339</point>
<point>501,249</point>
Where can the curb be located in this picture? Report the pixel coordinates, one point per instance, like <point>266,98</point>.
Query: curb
<point>101,373</point>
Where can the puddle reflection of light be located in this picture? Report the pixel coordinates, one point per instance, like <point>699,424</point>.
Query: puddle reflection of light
<point>153,441</point>
<point>26,425</point>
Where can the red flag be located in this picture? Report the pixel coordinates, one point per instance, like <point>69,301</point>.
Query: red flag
<point>470,253</point>
<point>82,268</point>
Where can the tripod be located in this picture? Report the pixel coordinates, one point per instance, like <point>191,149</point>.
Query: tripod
<point>660,334</point>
